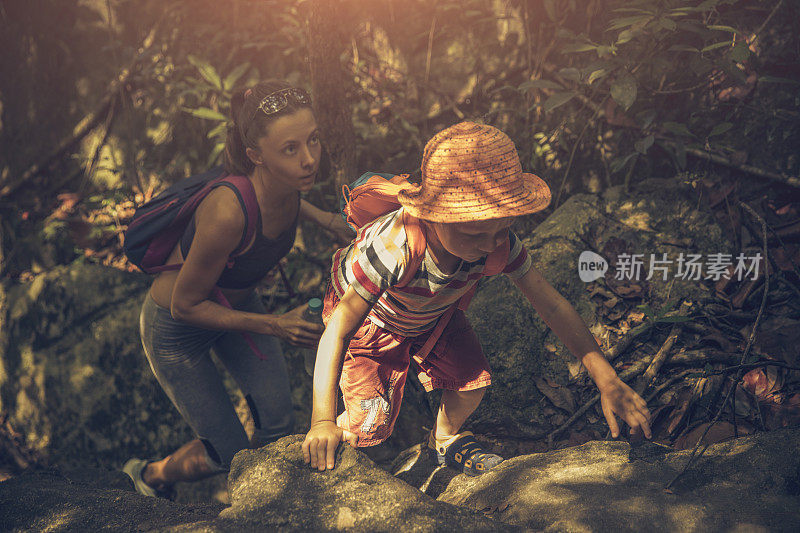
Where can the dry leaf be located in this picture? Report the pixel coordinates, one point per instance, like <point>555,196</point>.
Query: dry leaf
<point>560,396</point>
<point>719,432</point>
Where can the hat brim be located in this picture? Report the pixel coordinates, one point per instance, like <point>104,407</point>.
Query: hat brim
<point>535,197</point>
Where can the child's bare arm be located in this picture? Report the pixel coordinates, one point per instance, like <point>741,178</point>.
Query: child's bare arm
<point>566,323</point>
<point>319,446</point>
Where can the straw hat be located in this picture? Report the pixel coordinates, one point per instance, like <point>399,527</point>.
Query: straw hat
<point>472,172</point>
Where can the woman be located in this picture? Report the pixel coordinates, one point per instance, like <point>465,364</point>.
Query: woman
<point>274,141</point>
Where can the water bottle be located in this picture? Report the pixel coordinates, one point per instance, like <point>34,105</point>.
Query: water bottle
<point>313,313</point>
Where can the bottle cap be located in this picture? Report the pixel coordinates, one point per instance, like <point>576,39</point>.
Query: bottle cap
<point>315,305</point>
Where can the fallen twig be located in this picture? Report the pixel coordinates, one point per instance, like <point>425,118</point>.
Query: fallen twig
<point>663,353</point>
<point>694,357</point>
<point>751,339</point>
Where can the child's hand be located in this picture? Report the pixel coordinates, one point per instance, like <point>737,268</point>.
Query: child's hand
<point>619,399</point>
<point>319,447</point>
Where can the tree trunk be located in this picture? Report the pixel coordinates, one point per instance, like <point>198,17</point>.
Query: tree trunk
<point>327,39</point>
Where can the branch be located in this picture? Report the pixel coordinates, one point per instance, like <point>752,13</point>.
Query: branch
<point>751,339</point>
<point>110,100</point>
<point>792,181</point>
<point>694,357</point>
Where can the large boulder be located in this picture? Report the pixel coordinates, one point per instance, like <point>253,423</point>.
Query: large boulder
<point>74,379</point>
<point>657,216</point>
<point>747,484</point>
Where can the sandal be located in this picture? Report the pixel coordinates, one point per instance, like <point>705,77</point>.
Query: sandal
<point>134,468</point>
<point>466,455</point>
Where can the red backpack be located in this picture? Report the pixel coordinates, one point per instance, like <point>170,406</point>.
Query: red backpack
<point>375,194</point>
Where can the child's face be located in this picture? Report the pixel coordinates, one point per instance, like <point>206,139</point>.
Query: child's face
<point>471,241</point>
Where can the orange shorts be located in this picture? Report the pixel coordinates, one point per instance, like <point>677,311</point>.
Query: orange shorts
<point>376,366</point>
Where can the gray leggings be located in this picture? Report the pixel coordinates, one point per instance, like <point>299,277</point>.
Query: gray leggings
<point>179,356</point>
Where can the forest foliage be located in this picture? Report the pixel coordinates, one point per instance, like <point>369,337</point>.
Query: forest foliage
<point>103,102</point>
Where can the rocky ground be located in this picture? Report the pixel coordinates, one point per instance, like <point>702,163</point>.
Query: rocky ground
<point>76,395</point>
<point>746,484</point>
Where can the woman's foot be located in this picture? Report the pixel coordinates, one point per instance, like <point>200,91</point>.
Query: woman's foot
<point>134,468</point>
<point>463,453</point>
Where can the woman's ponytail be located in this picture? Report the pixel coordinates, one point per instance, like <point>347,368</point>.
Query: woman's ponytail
<point>236,160</point>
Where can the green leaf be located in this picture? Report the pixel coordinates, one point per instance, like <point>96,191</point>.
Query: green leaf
<point>623,91</point>
<point>208,72</point>
<point>646,117</point>
<point>775,79</point>
<point>624,36</point>
<point>714,46</point>
<point>680,154</point>
<point>619,163</point>
<point>682,48</point>
<point>672,319</point>
<point>219,130</point>
<point>557,100</point>
<point>538,84</point>
<point>721,128</point>
<point>570,73</point>
<point>644,308</point>
<point>722,28</point>
<point>579,47</point>
<point>740,52</point>
<point>596,75</point>
<point>624,22</point>
<point>667,24</point>
<point>642,145</point>
<point>234,75</point>
<point>215,152</point>
<point>678,129</point>
<point>206,113</point>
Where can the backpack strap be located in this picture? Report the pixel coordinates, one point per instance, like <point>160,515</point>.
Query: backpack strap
<point>495,263</point>
<point>242,187</point>
<point>417,244</point>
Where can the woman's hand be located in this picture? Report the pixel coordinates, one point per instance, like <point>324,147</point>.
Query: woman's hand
<point>340,229</point>
<point>319,446</point>
<point>617,398</point>
<point>292,327</point>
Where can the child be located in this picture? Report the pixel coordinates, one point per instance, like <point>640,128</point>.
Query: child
<point>472,188</point>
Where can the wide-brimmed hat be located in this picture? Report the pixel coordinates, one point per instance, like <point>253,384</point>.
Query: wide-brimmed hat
<point>472,172</point>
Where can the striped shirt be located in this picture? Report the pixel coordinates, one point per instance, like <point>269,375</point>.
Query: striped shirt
<point>375,261</point>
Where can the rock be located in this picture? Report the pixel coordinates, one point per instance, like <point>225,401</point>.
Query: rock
<point>95,499</point>
<point>655,213</point>
<point>746,484</point>
<point>751,483</point>
<point>75,381</point>
<point>273,486</point>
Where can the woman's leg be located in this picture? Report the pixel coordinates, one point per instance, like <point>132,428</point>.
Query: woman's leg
<point>179,357</point>
<point>264,383</point>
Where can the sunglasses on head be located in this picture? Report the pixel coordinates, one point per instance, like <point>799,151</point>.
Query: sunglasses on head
<point>278,100</point>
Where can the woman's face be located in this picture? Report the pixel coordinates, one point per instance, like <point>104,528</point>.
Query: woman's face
<point>290,150</point>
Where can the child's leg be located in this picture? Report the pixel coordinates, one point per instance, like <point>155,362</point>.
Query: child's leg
<point>456,406</point>
<point>457,365</point>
